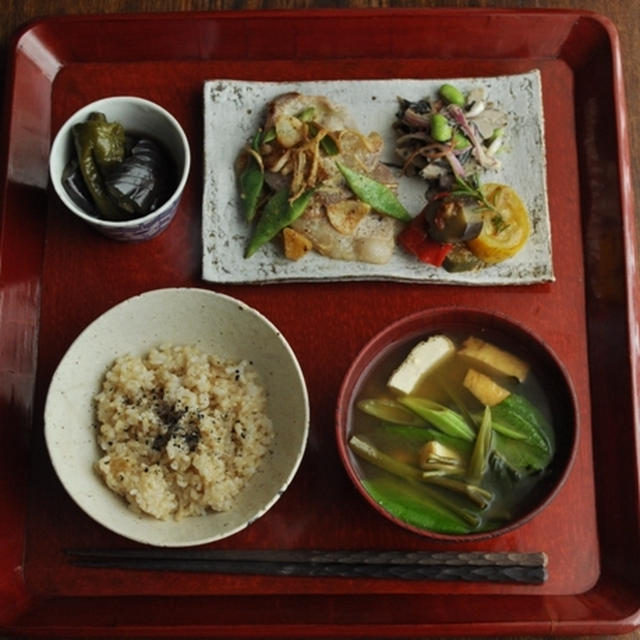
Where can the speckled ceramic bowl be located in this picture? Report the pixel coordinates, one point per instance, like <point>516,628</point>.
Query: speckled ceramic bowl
<point>140,116</point>
<point>213,323</point>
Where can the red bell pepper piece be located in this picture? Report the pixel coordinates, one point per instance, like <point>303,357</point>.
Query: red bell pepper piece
<point>415,239</point>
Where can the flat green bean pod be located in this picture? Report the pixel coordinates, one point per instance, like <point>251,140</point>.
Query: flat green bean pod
<point>378,196</point>
<point>252,180</point>
<point>278,214</point>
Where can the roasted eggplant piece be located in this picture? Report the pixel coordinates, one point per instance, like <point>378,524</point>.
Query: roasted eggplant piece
<point>454,219</point>
<point>142,181</point>
<point>75,186</point>
<point>461,259</point>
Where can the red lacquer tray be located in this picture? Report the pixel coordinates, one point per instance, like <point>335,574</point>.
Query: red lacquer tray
<point>57,275</point>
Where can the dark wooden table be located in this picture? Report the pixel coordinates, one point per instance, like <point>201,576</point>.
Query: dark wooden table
<point>624,13</point>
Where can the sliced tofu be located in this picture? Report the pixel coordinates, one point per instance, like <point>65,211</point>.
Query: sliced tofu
<point>422,359</point>
<point>496,359</point>
<point>486,390</point>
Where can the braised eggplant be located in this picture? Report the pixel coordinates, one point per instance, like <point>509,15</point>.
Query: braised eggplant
<point>461,259</point>
<point>141,182</point>
<point>454,219</point>
<point>76,187</point>
<point>114,175</point>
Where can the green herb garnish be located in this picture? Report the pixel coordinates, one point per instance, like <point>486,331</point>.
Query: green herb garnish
<point>471,188</point>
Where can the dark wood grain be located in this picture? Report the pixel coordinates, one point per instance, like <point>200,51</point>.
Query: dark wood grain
<point>624,13</point>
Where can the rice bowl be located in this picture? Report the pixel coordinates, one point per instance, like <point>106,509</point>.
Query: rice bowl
<point>213,333</point>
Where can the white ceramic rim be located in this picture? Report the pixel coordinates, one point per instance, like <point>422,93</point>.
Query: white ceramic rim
<point>60,140</point>
<point>63,473</point>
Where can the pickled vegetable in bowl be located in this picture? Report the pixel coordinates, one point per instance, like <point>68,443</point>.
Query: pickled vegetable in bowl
<point>114,174</point>
<point>456,424</point>
<point>121,164</point>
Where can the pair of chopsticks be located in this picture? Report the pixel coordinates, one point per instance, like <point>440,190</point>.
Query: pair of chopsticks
<point>472,566</point>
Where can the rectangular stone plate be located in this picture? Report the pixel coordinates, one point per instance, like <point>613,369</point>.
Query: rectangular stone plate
<point>234,110</point>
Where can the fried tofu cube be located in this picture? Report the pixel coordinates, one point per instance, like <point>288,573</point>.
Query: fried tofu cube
<point>486,390</point>
<point>495,359</point>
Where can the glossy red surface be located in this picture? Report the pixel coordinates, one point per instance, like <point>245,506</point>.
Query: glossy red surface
<point>402,335</point>
<point>57,275</point>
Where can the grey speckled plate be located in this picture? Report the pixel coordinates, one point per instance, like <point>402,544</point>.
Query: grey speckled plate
<point>234,110</point>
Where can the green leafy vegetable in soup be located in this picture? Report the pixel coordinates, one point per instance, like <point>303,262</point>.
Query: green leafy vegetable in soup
<point>456,437</point>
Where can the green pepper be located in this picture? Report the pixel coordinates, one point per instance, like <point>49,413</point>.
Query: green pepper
<point>378,196</point>
<point>277,214</point>
<point>251,180</point>
<point>99,144</point>
<point>107,140</point>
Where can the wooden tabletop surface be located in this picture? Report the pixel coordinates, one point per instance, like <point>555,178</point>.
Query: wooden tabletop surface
<point>625,14</point>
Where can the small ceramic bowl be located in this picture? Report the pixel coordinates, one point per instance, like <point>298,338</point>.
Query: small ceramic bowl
<point>142,117</point>
<point>383,353</point>
<point>215,324</point>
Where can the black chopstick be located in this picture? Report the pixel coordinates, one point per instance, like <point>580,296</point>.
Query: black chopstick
<point>475,566</point>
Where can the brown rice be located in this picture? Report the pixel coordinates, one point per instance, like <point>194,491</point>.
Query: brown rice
<point>182,431</point>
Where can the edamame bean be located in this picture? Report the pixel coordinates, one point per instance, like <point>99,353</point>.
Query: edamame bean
<point>460,141</point>
<point>440,129</point>
<point>451,94</point>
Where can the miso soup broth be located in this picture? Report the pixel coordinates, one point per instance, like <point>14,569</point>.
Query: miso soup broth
<point>437,459</point>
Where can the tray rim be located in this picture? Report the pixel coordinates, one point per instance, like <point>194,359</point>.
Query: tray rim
<point>624,180</point>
